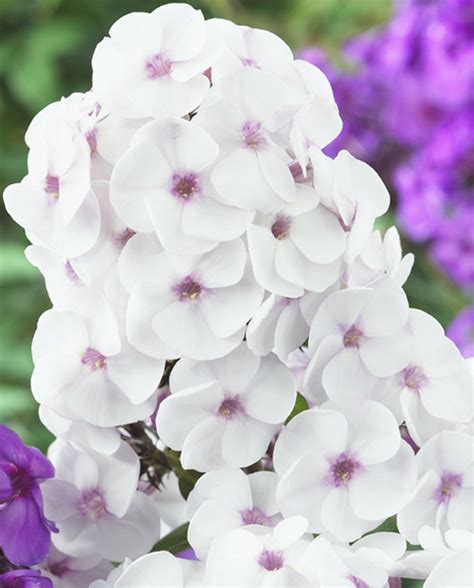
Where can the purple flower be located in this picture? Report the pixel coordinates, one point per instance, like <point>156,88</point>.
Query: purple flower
<point>187,554</point>
<point>453,246</point>
<point>461,331</point>
<point>25,534</point>
<point>24,579</point>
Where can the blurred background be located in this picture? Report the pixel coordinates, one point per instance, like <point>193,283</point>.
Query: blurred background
<point>403,76</point>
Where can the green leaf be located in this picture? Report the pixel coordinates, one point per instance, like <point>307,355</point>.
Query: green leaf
<point>406,583</point>
<point>388,526</point>
<point>175,541</point>
<point>300,405</point>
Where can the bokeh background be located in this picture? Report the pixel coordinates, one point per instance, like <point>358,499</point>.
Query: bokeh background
<point>403,75</point>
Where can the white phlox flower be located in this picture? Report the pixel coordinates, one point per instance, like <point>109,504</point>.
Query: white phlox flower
<point>298,248</point>
<point>225,412</point>
<point>351,470</point>
<point>94,376</point>
<point>242,122</point>
<point>356,334</point>
<point>258,556</point>
<point>160,569</point>
<point>162,183</point>
<point>444,495</point>
<point>246,47</point>
<point>153,63</point>
<point>182,308</point>
<point>446,559</point>
<point>55,203</point>
<point>315,120</point>
<point>366,563</point>
<point>381,256</point>
<point>96,506</point>
<point>228,499</point>
<point>354,192</point>
<point>436,385</point>
<point>74,572</point>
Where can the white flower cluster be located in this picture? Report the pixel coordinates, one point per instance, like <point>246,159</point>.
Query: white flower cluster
<point>183,209</point>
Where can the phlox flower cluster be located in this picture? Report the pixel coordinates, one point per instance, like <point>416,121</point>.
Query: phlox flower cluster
<point>408,107</point>
<point>229,350</point>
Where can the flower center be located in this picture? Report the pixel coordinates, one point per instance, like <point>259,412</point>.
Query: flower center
<point>281,227</point>
<point>51,186</point>
<point>271,560</point>
<point>59,569</point>
<point>342,470</point>
<point>255,516</point>
<point>352,337</point>
<point>188,289</point>
<point>414,377</point>
<point>252,136</point>
<point>184,186</point>
<point>119,240</point>
<point>20,479</point>
<point>91,504</point>
<point>71,274</point>
<point>94,359</point>
<point>249,62</point>
<point>230,407</point>
<point>358,583</point>
<point>158,66</point>
<point>449,487</point>
<point>91,138</point>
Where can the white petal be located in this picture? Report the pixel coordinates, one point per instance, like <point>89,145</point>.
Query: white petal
<point>137,176</point>
<point>250,190</point>
<point>227,310</point>
<point>246,440</point>
<point>324,431</point>
<point>386,311</point>
<point>272,393</point>
<point>318,235</point>
<point>154,569</point>
<point>375,437</point>
<point>387,356</point>
<point>339,518</point>
<point>379,491</point>
<point>210,520</point>
<point>136,374</point>
<point>263,247</point>
<point>224,266</point>
<point>206,218</point>
<point>202,448</point>
<point>303,489</point>
<point>345,378</point>
<point>180,413</point>
<point>183,327</point>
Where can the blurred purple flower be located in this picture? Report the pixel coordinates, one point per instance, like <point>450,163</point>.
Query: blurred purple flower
<point>24,579</point>
<point>408,109</point>
<point>25,534</point>
<point>453,245</point>
<point>461,331</point>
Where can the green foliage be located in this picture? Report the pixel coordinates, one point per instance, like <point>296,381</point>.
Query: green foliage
<point>300,405</point>
<point>175,541</point>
